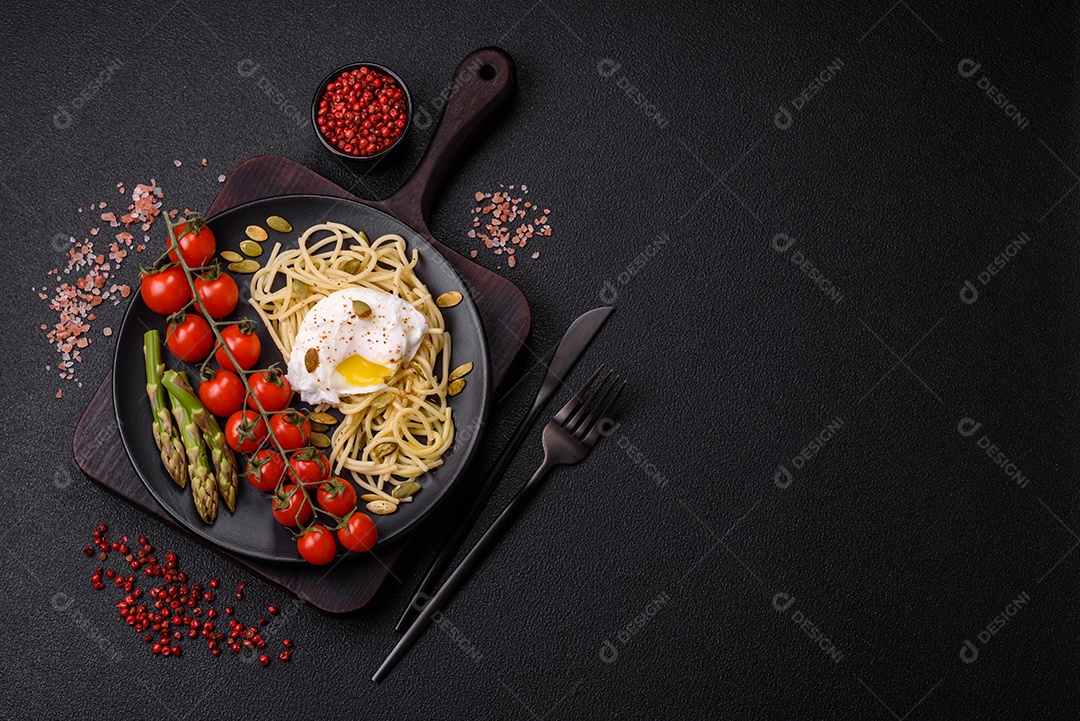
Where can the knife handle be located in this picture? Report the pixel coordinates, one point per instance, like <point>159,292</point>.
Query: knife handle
<point>457,579</point>
<point>453,544</point>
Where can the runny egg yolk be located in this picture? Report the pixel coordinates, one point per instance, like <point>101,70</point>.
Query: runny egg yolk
<point>359,371</point>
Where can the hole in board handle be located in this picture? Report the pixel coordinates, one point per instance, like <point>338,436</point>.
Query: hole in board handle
<point>487,72</point>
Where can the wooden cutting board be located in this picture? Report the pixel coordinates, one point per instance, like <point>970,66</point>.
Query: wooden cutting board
<point>483,84</point>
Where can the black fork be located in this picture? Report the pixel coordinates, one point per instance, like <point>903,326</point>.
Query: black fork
<point>568,438</point>
<point>575,429</point>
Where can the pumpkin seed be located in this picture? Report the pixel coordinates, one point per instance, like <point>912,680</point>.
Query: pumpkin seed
<point>455,387</point>
<point>371,497</point>
<point>383,400</point>
<point>406,489</point>
<point>381,507</point>
<point>300,288</point>
<point>256,233</point>
<point>320,427</point>
<point>319,440</point>
<point>250,247</point>
<point>279,224</point>
<point>461,371</point>
<point>232,256</point>
<point>352,267</point>
<point>244,266</point>
<point>324,418</point>
<point>448,299</point>
<point>311,359</point>
<point>362,309</point>
<point>382,450</point>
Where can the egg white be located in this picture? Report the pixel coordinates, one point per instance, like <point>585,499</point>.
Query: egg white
<point>389,337</point>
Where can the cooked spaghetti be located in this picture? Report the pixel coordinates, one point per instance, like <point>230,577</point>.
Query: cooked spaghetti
<point>400,432</point>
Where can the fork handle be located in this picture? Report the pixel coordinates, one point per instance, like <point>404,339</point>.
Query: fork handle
<point>488,541</point>
<point>461,574</point>
<point>452,545</point>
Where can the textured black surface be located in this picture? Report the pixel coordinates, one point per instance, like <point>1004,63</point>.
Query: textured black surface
<point>899,180</point>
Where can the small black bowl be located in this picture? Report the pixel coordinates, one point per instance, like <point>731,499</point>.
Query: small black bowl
<point>318,98</point>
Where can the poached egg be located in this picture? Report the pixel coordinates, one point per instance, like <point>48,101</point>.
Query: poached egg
<point>351,342</point>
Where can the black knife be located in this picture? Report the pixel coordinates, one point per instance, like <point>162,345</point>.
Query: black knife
<point>573,344</point>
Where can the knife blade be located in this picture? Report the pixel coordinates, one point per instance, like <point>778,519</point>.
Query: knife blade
<point>573,344</point>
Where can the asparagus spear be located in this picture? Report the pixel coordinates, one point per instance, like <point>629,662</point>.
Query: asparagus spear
<point>203,486</point>
<point>220,454</point>
<point>165,434</point>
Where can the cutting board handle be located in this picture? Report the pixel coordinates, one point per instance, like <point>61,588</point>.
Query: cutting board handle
<point>483,84</point>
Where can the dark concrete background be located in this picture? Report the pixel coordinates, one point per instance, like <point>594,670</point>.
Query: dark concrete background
<point>898,180</point>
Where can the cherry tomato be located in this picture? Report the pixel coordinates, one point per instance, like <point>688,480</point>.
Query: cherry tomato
<point>337,496</point>
<point>291,506</point>
<point>218,295</point>
<point>309,467</point>
<point>359,533</point>
<point>266,470</point>
<point>197,243</point>
<point>245,347</point>
<point>166,291</point>
<point>191,340</point>
<point>317,545</point>
<point>290,430</point>
<point>223,394</point>
<point>245,431</point>
<point>272,396</point>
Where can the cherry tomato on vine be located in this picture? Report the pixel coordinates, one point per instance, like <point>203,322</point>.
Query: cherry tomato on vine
<point>290,429</point>
<point>317,545</point>
<point>272,396</point>
<point>359,533</point>
<point>218,294</point>
<point>223,394</point>
<point>266,470</point>
<point>291,507</point>
<point>245,431</point>
<point>191,340</point>
<point>309,467</point>
<point>165,291</point>
<point>197,242</point>
<point>337,496</point>
<point>244,346</point>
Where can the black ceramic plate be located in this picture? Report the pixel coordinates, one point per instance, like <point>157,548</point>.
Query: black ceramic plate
<point>252,531</point>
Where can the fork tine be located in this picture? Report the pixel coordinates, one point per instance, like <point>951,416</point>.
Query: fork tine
<point>589,415</point>
<point>574,403</point>
<point>593,421</point>
<point>587,407</point>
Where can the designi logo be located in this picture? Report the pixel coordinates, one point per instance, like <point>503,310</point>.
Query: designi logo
<point>784,118</point>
